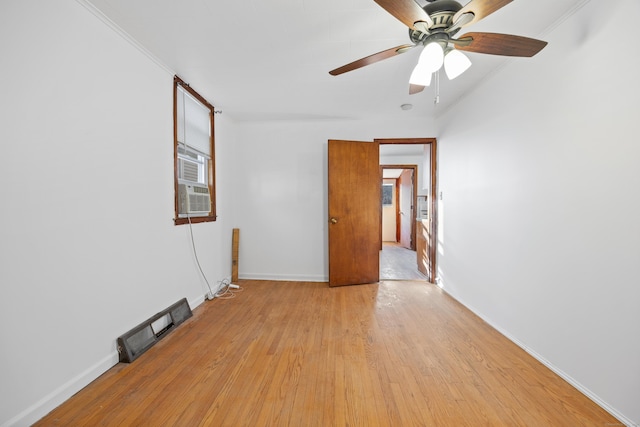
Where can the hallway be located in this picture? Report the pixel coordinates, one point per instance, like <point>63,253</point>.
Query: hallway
<point>398,263</point>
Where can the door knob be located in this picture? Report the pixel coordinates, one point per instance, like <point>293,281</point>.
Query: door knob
<point>334,220</point>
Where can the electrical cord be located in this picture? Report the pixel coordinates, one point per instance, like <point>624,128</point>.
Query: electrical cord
<point>225,290</point>
<point>210,295</point>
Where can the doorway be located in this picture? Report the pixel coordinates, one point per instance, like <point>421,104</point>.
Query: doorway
<point>399,200</point>
<point>354,202</point>
<point>398,256</point>
<point>409,167</point>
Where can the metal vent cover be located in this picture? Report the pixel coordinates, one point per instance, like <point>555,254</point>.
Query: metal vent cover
<point>141,338</point>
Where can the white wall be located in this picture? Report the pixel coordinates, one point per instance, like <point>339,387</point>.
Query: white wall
<point>423,167</point>
<point>281,185</point>
<point>539,230</point>
<point>539,220</point>
<point>86,138</point>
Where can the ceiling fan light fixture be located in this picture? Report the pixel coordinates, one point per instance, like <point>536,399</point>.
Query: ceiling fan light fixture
<point>456,63</point>
<point>432,57</point>
<point>421,75</point>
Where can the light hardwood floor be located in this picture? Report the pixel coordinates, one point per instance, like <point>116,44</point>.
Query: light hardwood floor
<point>303,354</point>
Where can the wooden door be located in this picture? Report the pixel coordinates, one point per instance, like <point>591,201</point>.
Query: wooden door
<point>354,212</point>
<point>405,204</point>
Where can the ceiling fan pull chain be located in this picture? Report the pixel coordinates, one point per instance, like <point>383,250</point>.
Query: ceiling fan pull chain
<point>436,100</point>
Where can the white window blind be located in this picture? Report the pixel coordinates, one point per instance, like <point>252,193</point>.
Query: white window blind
<point>194,123</point>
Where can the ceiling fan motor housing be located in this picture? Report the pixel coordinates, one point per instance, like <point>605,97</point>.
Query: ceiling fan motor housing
<point>441,12</point>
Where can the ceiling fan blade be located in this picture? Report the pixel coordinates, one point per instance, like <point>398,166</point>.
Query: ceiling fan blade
<point>407,11</point>
<point>368,60</point>
<point>499,44</point>
<point>413,89</point>
<point>480,9</point>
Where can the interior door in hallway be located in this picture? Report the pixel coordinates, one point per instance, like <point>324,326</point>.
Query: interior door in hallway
<point>354,212</point>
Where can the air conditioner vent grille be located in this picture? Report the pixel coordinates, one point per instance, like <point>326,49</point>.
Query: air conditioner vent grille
<point>194,199</point>
<point>188,170</point>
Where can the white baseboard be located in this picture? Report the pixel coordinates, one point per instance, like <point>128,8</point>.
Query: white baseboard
<point>54,399</point>
<point>283,277</point>
<point>196,302</point>
<point>62,393</point>
<point>582,389</point>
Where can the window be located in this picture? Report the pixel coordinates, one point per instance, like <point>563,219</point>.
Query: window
<point>387,194</point>
<point>194,157</point>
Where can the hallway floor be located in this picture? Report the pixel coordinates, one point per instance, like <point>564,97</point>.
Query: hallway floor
<point>398,263</point>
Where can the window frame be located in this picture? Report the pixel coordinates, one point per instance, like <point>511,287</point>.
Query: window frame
<point>211,216</point>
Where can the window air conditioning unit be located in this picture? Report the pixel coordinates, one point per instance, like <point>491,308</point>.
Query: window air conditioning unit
<point>194,199</point>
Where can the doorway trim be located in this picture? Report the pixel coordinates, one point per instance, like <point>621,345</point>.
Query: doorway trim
<point>433,170</point>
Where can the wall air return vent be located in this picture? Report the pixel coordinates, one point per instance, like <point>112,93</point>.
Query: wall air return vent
<point>141,338</point>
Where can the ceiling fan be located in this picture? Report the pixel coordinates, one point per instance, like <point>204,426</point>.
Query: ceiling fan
<point>434,27</point>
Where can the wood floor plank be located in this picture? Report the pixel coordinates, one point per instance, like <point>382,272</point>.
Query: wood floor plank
<point>294,353</point>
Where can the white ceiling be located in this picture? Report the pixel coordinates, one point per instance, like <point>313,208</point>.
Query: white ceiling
<point>391,173</point>
<point>269,59</point>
